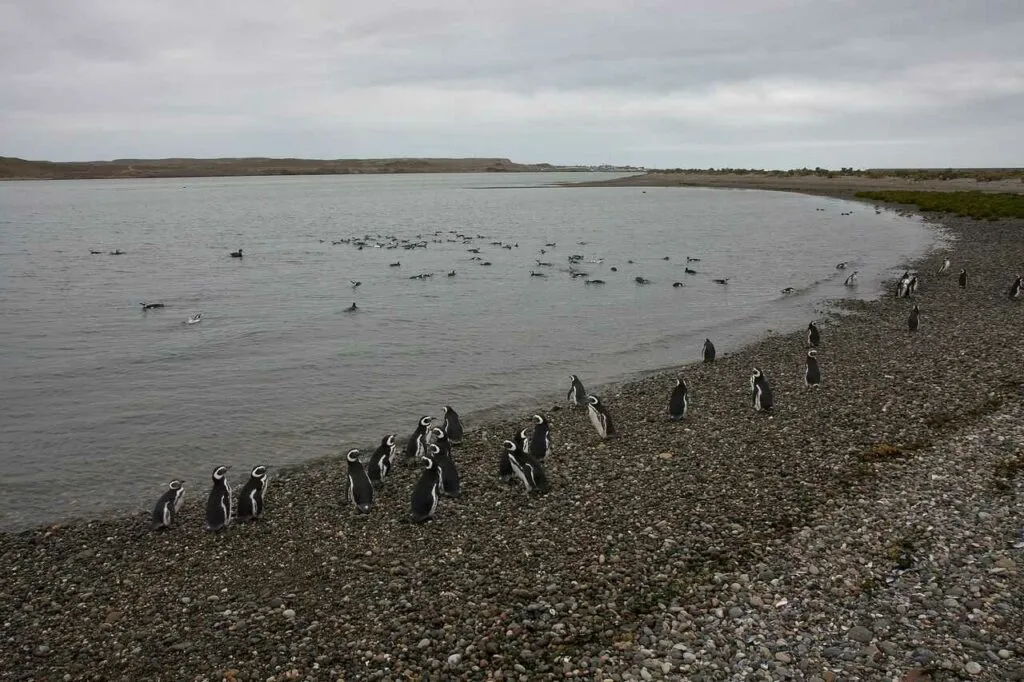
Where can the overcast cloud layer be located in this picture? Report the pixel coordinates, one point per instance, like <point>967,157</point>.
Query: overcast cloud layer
<point>690,83</point>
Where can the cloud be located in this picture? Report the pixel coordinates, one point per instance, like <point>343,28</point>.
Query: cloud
<point>767,83</point>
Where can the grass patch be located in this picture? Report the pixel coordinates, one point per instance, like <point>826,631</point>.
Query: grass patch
<point>982,205</point>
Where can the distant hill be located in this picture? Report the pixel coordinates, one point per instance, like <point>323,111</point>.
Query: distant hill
<point>20,169</point>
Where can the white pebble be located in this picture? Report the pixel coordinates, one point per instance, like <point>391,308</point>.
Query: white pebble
<point>972,668</point>
<point>289,613</point>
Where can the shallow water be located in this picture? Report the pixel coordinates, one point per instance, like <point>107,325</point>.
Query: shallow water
<point>102,403</point>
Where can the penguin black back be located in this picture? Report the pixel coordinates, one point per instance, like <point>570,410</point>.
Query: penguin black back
<point>451,424</point>
<point>678,403</point>
<point>414,447</point>
<point>528,470</point>
<point>540,441</point>
<point>425,493</point>
<point>813,335</point>
<point>761,391</point>
<point>812,373</point>
<point>962,279</point>
<point>168,506</point>
<point>382,460</point>
<point>447,472</point>
<point>505,470</point>
<point>577,394</point>
<point>708,352</point>
<point>600,417</point>
<point>218,504</point>
<point>360,489</point>
<point>251,499</point>
<point>914,321</point>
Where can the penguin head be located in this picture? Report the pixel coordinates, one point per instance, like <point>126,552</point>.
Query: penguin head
<point>428,462</point>
<point>176,484</point>
<point>425,421</point>
<point>811,354</point>
<point>509,445</point>
<point>573,378</point>
<point>524,436</point>
<point>680,381</point>
<point>757,374</point>
<point>220,473</point>
<point>439,433</point>
<point>434,449</point>
<point>259,472</point>
<point>352,456</point>
<point>448,409</point>
<point>539,419</point>
<point>389,440</point>
<point>811,325</point>
<point>593,400</point>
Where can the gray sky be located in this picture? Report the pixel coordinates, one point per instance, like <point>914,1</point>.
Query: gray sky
<point>664,83</point>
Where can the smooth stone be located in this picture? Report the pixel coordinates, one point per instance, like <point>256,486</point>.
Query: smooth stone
<point>973,668</point>
<point>859,633</point>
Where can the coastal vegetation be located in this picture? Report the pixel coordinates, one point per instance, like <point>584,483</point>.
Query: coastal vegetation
<point>972,204</point>
<point>977,174</point>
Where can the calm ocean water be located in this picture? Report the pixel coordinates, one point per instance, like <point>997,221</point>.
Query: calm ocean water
<point>102,403</point>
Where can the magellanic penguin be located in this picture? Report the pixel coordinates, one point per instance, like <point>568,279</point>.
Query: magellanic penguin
<point>914,321</point>
<point>1015,288</point>
<point>912,285</point>
<point>415,448</point>
<point>425,495</point>
<point>599,417</point>
<point>577,394</point>
<point>812,375</point>
<point>760,391</point>
<point>962,279</point>
<point>944,268</point>
<point>813,335</point>
<point>169,504</point>
<point>448,474</point>
<point>251,500</point>
<point>527,469</point>
<point>360,489</point>
<point>452,425</point>
<point>903,286</point>
<point>708,352</point>
<point>382,459</point>
<point>851,280</point>
<point>218,504</point>
<point>678,403</point>
<point>540,441</point>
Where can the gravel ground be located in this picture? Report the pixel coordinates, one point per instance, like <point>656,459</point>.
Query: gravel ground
<point>866,530</point>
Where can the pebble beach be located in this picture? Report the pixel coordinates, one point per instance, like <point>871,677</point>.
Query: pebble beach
<point>867,529</point>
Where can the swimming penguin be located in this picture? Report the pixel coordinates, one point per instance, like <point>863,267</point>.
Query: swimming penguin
<point>360,489</point>
<point>355,283</point>
<point>168,506</point>
<point>352,308</point>
<point>417,443</point>
<point>678,403</point>
<point>194,319</point>
<point>708,352</point>
<point>540,441</point>
<point>760,391</point>
<point>677,284</point>
<point>218,504</point>
<point>788,290</point>
<point>813,335</point>
<point>528,470</point>
<point>841,266</point>
<point>914,321</point>
<point>851,280</point>
<point>599,417</point>
<point>236,254</point>
<point>151,306</point>
<point>721,280</point>
<point>944,268</point>
<point>382,460</point>
<point>451,273</point>
<point>251,500</point>
<point>577,394</point>
<point>962,279</point>
<point>812,375</point>
<point>689,271</point>
<point>425,494</point>
<point>1015,288</point>
<point>451,424</point>
<point>448,474</point>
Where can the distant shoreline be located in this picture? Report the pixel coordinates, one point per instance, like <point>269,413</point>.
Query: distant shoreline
<point>844,186</point>
<point>119,169</point>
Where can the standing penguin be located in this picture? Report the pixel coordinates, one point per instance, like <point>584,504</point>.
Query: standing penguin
<point>360,489</point>
<point>168,506</point>
<point>914,321</point>
<point>218,504</point>
<point>425,494</point>
<point>761,392</point>
<point>944,268</point>
<point>446,470</point>
<point>540,441</point>
<point>812,375</point>
<point>382,460</point>
<point>678,403</point>
<point>251,499</point>
<point>962,279</point>
<point>505,470</point>
<point>414,448</point>
<point>813,335</point>
<point>1015,288</point>
<point>708,352</point>
<point>452,425</point>
<point>600,418</point>
<point>912,285</point>
<point>903,286</point>
<point>577,394</point>
<point>527,469</point>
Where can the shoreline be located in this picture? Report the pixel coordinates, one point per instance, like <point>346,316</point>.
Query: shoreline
<point>650,545</point>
